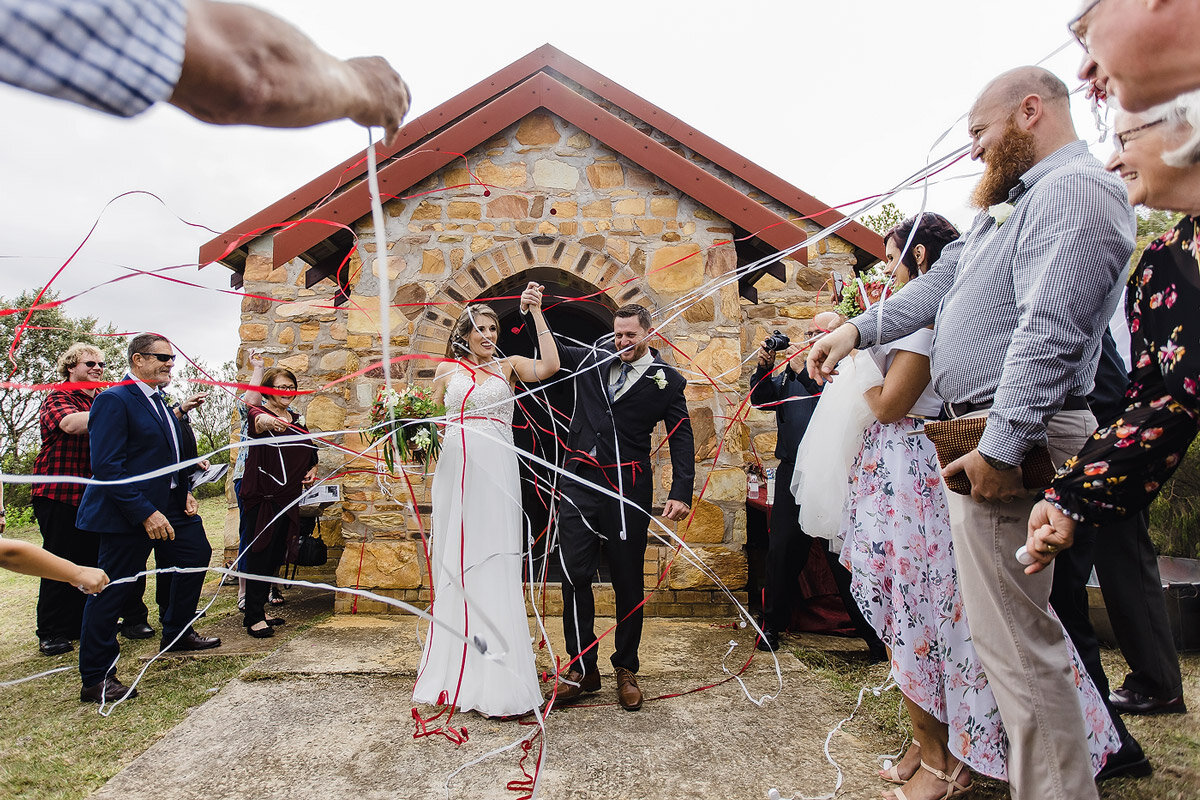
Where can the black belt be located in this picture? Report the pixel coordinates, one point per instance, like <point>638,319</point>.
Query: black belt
<point>1073,402</point>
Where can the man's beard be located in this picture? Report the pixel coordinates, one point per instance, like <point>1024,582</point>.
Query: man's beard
<point>1006,162</point>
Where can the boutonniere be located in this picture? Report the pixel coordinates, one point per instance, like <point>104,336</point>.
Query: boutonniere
<point>300,421</point>
<point>1000,212</point>
<point>660,379</point>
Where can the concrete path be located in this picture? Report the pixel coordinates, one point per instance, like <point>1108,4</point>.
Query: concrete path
<point>328,715</point>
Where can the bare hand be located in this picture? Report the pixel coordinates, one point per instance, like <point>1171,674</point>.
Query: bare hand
<point>385,96</point>
<point>792,357</point>
<point>193,402</point>
<point>204,465</point>
<point>827,351</point>
<point>531,298</point>
<point>90,580</point>
<point>766,358</point>
<point>675,510</point>
<point>190,506</point>
<point>256,359</point>
<point>988,485</point>
<point>310,477</point>
<point>157,527</point>
<point>1050,532</point>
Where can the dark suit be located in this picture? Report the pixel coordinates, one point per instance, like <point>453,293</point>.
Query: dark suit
<point>609,445</point>
<point>129,437</point>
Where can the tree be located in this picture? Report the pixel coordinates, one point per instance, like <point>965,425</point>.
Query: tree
<point>888,217</point>
<point>211,421</point>
<point>1150,225</point>
<point>49,332</point>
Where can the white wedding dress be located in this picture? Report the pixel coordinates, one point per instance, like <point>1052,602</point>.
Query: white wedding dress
<point>476,559</point>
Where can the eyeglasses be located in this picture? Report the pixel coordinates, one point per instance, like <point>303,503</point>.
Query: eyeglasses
<point>1078,29</point>
<point>1124,137</point>
<point>94,364</point>
<point>163,357</point>
<point>287,387</point>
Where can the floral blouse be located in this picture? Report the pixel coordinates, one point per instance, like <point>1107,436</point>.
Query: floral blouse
<point>1130,457</point>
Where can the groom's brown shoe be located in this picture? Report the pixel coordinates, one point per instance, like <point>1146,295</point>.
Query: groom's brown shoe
<point>628,693</point>
<point>573,686</point>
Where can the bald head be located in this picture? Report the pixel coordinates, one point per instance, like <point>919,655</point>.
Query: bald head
<point>1011,87</point>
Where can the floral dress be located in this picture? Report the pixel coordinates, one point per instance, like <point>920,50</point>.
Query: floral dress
<point>900,553</point>
<point>1130,457</point>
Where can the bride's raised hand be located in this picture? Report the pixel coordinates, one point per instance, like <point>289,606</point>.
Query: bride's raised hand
<point>531,298</point>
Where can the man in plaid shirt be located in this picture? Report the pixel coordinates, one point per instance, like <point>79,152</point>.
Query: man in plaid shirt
<point>64,420</point>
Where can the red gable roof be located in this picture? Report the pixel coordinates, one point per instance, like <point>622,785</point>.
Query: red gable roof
<point>431,141</point>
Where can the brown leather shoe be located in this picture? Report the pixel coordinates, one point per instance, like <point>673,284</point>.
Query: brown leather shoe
<point>573,686</point>
<point>628,693</point>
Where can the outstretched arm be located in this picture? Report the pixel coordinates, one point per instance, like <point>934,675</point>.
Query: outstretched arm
<point>242,65</point>
<point>29,559</point>
<point>528,369</point>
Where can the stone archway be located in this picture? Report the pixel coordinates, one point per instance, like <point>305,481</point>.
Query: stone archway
<point>581,270</point>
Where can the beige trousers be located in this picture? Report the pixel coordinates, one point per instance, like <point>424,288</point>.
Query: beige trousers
<point>1020,645</point>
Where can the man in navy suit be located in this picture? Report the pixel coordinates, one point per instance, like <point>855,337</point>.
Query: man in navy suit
<point>622,391</point>
<point>132,433</point>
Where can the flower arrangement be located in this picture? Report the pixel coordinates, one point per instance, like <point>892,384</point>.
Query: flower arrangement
<point>404,421</point>
<point>660,379</point>
<point>864,291</point>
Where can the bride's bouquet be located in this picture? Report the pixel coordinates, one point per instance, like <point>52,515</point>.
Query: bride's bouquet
<point>866,290</point>
<point>404,421</point>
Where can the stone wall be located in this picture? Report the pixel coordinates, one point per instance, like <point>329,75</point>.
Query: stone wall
<point>542,196</point>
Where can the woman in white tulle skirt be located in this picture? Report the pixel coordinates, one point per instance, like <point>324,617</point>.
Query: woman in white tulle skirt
<point>477,527</point>
<point>899,550</point>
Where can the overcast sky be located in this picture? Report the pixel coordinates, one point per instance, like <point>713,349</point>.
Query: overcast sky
<point>842,99</point>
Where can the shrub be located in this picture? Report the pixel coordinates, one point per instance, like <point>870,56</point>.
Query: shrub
<point>1175,513</point>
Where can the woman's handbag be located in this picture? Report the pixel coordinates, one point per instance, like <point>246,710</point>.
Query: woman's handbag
<point>313,552</point>
<point>954,438</point>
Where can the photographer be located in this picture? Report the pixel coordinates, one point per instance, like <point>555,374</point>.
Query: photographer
<point>791,394</point>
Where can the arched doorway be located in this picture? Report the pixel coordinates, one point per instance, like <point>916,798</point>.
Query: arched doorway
<point>577,313</point>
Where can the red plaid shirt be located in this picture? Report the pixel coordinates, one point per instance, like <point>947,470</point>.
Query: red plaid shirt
<point>62,453</point>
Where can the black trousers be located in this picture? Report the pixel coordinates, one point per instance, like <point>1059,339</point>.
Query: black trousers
<point>788,549</point>
<point>588,524</point>
<point>123,555</point>
<point>266,561</point>
<point>60,605</point>
<point>1128,570</point>
<point>1068,598</point>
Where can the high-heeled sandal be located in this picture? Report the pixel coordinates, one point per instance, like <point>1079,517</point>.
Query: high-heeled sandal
<point>892,776</point>
<point>952,790</point>
<point>262,633</point>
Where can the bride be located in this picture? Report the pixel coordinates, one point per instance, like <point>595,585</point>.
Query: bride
<point>477,523</point>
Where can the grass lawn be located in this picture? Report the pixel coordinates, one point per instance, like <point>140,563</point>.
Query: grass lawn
<point>53,746</point>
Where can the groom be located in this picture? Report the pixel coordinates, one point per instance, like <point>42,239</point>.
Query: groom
<point>622,390</point>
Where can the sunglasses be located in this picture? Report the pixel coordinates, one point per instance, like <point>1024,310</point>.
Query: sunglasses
<point>1123,138</point>
<point>163,357</point>
<point>1078,29</point>
<point>94,364</point>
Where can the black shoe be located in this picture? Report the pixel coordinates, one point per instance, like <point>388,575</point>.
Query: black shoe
<point>109,690</point>
<point>190,641</point>
<point>275,622</point>
<point>55,646</point>
<point>768,642</point>
<point>136,630</point>
<point>261,633</point>
<point>1127,701</point>
<point>1128,762</point>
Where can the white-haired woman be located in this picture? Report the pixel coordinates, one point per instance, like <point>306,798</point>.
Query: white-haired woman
<point>476,530</point>
<point>1128,459</point>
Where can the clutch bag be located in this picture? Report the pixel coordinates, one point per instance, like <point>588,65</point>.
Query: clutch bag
<point>954,438</point>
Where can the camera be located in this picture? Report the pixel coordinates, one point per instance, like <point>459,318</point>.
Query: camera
<point>776,341</point>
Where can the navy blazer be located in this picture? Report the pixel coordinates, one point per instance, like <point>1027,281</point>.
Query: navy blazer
<point>793,397</point>
<point>128,436</point>
<point>623,427</point>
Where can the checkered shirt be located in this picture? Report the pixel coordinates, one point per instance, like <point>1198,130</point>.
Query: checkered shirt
<point>117,56</point>
<point>1019,307</point>
<point>62,453</point>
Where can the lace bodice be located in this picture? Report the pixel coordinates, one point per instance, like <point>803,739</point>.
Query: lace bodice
<point>487,405</point>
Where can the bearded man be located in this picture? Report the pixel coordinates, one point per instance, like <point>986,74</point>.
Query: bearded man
<point>1019,304</point>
